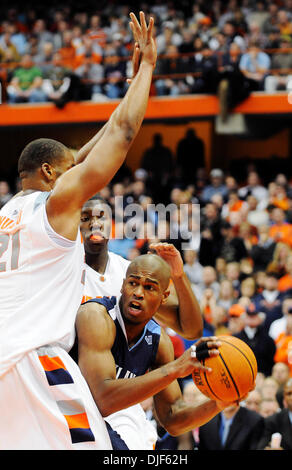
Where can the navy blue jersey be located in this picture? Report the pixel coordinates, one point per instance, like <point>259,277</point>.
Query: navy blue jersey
<point>135,360</point>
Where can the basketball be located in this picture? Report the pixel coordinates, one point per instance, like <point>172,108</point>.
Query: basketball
<point>233,373</point>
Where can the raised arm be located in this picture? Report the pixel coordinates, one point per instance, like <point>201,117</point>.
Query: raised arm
<point>96,334</point>
<point>106,156</point>
<point>181,311</point>
<point>84,151</point>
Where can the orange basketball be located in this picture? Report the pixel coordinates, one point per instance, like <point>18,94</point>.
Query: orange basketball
<point>233,373</point>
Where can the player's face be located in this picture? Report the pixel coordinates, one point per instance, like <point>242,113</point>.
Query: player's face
<point>142,295</point>
<point>95,225</point>
<point>288,396</point>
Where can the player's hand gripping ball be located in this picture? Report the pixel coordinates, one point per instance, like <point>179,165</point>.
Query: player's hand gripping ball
<point>233,373</point>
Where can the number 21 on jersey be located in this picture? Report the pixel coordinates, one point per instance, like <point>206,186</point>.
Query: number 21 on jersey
<point>5,240</point>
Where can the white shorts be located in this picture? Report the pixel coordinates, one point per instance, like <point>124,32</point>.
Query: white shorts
<point>46,407</point>
<point>134,428</point>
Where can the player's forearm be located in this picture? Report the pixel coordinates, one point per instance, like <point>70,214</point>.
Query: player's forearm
<point>131,111</point>
<point>182,417</point>
<point>120,131</point>
<point>190,316</point>
<point>117,394</point>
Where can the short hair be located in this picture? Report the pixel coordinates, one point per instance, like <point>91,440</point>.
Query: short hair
<point>97,197</point>
<point>40,151</point>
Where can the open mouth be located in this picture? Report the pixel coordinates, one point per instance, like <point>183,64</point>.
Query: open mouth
<point>135,308</point>
<point>96,237</point>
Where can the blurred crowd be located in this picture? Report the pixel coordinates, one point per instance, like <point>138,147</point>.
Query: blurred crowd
<point>235,238</point>
<point>64,52</point>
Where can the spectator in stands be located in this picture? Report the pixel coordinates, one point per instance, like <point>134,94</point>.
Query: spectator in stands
<point>8,48</point>
<point>236,427</point>
<point>281,373</point>
<point>235,318</point>
<point>226,294</point>
<point>281,60</point>
<point>171,64</point>
<point>271,21</point>
<point>280,198</point>
<point>255,34</point>
<point>279,422</point>
<point>257,338</point>
<point>262,252</point>
<point>93,76</point>
<point>96,32</point>
<point>285,282</point>
<point>114,73</point>
<point>157,160</point>
<point>280,255</point>
<point>281,230</point>
<point>61,26</point>
<point>279,326</point>
<point>190,155</point>
<point>205,65</point>
<point>44,58</point>
<point>255,188</point>
<point>41,32</point>
<point>255,65</point>
<point>18,38</point>
<point>268,407</point>
<point>167,37</point>
<point>232,87</point>
<point>208,281</point>
<point>216,185</point>
<point>68,51</point>
<point>255,216</point>
<point>284,23</point>
<point>231,247</point>
<point>5,193</point>
<point>270,300</point>
<point>284,344</point>
<point>211,223</point>
<point>233,204</point>
<point>56,80</point>
<point>248,287</point>
<point>253,400</point>
<point>26,83</point>
<point>192,266</point>
<point>231,35</point>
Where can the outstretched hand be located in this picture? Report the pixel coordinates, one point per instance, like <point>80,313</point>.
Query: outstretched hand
<point>143,37</point>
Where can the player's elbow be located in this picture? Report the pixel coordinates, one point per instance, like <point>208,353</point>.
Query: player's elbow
<point>123,130</point>
<point>104,406</point>
<point>173,428</point>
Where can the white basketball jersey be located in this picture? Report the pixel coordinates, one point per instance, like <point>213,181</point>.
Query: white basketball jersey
<point>46,402</point>
<point>40,280</point>
<point>131,423</point>
<point>110,282</point>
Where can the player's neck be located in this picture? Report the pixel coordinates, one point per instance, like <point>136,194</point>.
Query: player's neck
<point>98,261</point>
<point>34,184</point>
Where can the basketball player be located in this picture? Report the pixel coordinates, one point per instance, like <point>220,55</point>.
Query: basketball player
<point>127,357</point>
<point>45,401</point>
<point>105,272</point>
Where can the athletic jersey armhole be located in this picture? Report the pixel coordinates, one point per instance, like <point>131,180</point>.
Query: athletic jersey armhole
<point>54,236</point>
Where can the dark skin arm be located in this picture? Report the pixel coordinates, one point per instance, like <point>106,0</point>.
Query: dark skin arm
<point>181,311</point>
<point>108,152</point>
<point>96,334</point>
<point>86,149</point>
